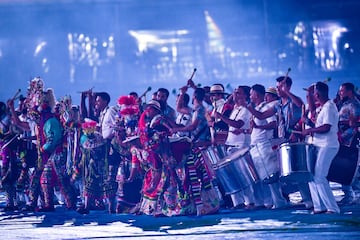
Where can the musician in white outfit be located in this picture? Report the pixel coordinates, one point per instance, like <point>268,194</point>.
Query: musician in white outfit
<point>261,147</point>
<point>238,138</point>
<point>327,145</point>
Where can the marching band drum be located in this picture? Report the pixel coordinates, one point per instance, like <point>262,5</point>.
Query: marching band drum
<point>236,171</point>
<point>295,162</point>
<point>265,162</point>
<point>291,162</point>
<point>212,155</point>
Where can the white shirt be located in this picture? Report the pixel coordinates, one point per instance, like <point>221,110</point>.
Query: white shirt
<point>107,121</point>
<point>185,120</point>
<point>261,135</point>
<point>241,140</point>
<point>218,106</point>
<point>327,114</point>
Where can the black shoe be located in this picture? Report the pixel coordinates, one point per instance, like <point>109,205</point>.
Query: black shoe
<point>239,206</point>
<point>347,200</point>
<point>46,209</point>
<point>28,208</point>
<point>83,210</point>
<point>10,208</point>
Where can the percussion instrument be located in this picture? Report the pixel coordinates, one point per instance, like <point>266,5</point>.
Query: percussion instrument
<point>236,171</point>
<point>344,166</point>
<point>212,155</point>
<point>220,137</point>
<point>294,167</point>
<point>265,161</point>
<point>180,147</point>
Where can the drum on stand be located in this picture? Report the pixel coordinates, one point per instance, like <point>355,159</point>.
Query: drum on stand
<point>344,166</point>
<point>236,171</point>
<point>265,161</point>
<point>294,164</point>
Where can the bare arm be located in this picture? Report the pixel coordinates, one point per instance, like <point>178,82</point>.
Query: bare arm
<point>261,115</point>
<point>321,129</point>
<point>295,99</point>
<point>233,123</point>
<point>15,118</point>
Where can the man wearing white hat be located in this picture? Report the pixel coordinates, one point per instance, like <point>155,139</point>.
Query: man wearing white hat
<point>217,96</point>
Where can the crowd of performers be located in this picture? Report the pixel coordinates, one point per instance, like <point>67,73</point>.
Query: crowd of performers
<point>148,158</point>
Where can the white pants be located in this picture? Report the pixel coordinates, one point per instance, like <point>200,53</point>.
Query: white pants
<point>321,193</point>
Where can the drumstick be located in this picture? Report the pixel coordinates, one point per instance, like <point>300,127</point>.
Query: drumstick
<point>16,94</point>
<point>286,75</point>
<point>90,90</point>
<point>193,73</point>
<point>324,81</point>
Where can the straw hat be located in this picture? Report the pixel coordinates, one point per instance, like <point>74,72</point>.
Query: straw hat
<point>272,90</point>
<point>217,89</point>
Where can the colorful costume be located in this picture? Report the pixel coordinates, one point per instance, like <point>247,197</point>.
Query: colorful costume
<point>51,166</point>
<point>93,148</point>
<point>163,187</point>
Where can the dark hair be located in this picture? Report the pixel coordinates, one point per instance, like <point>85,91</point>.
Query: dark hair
<point>349,86</point>
<point>207,89</point>
<point>199,94</point>
<point>186,99</point>
<point>164,90</point>
<point>104,96</point>
<point>133,94</point>
<point>323,89</point>
<point>288,80</point>
<point>246,90</point>
<point>260,89</point>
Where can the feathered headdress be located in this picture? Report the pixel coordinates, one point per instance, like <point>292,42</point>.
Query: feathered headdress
<point>89,126</point>
<point>128,105</point>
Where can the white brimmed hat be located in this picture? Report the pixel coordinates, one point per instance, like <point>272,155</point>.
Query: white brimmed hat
<point>217,89</point>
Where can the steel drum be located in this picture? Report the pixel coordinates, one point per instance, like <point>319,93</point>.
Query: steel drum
<point>236,171</point>
<point>212,155</point>
<point>265,161</point>
<point>344,166</point>
<point>294,162</point>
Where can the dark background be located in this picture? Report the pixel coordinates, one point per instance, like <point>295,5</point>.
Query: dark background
<point>245,42</point>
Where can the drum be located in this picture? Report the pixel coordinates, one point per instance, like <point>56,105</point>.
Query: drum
<point>212,155</point>
<point>344,166</point>
<point>265,162</point>
<point>180,147</point>
<point>236,172</point>
<point>293,162</point>
<point>220,137</point>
